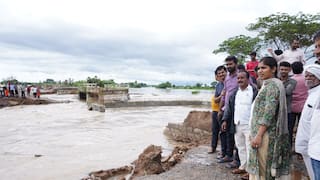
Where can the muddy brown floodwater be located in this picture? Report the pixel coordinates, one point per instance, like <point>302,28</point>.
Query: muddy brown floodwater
<point>66,141</point>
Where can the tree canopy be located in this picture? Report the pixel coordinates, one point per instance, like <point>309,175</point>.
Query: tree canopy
<point>276,31</point>
<point>239,46</point>
<point>279,30</point>
<point>164,85</point>
<point>10,79</point>
<point>136,84</point>
<point>99,82</point>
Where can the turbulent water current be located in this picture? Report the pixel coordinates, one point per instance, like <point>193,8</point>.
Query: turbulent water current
<point>66,141</point>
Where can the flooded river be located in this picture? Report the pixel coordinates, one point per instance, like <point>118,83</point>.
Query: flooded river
<point>72,141</point>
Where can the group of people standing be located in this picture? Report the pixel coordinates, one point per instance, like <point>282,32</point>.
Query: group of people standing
<point>255,109</point>
<point>19,90</point>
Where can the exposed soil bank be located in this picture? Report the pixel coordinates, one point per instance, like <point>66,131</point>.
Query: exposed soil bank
<point>149,162</point>
<point>195,129</point>
<point>15,101</point>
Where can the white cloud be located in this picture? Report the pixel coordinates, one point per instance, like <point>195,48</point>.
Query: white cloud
<point>150,41</point>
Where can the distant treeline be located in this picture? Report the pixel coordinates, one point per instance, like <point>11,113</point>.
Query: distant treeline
<point>108,83</point>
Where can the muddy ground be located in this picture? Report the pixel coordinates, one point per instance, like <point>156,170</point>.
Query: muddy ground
<point>16,101</point>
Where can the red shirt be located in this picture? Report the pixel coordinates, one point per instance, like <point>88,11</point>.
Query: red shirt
<point>250,68</point>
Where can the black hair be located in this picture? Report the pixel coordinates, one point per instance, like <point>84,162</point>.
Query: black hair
<point>219,68</point>
<point>241,67</point>
<point>253,53</point>
<point>271,62</point>
<point>285,64</point>
<point>295,39</point>
<point>256,69</point>
<point>232,58</point>
<point>246,72</point>
<point>278,52</point>
<point>297,67</point>
<point>316,36</point>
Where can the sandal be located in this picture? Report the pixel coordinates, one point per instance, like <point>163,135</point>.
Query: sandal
<point>245,176</point>
<point>238,171</point>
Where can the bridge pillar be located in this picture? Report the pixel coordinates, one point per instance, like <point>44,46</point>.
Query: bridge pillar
<point>95,98</point>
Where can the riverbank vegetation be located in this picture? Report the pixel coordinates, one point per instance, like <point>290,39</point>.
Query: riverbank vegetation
<point>48,83</point>
<point>197,86</point>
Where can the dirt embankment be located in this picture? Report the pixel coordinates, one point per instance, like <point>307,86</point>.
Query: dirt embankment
<point>194,131</point>
<point>149,162</point>
<point>15,101</point>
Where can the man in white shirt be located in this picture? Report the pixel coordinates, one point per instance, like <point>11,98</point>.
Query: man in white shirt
<point>290,55</point>
<point>308,142</point>
<point>313,79</point>
<point>12,90</point>
<point>236,118</point>
<point>34,91</point>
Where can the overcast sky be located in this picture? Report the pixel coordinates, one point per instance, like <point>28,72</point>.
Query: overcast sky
<point>151,41</point>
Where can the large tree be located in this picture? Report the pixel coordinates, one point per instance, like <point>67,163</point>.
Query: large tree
<point>239,46</point>
<point>278,30</point>
<point>101,83</point>
<point>164,85</point>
